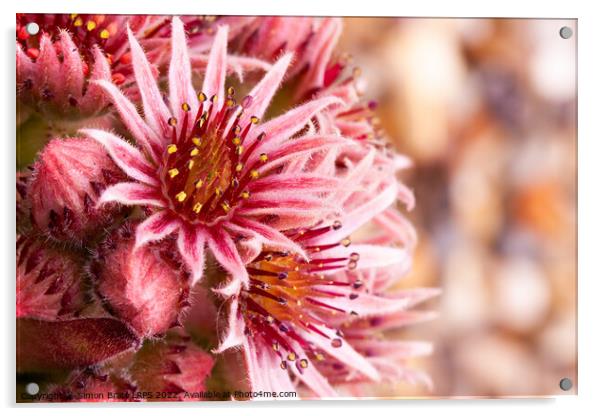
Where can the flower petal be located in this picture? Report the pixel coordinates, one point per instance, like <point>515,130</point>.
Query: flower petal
<point>215,75</point>
<point>131,193</point>
<point>180,84</point>
<point>263,92</point>
<point>283,127</point>
<point>191,245</point>
<point>225,252</point>
<point>343,353</point>
<point>365,212</point>
<point>268,235</point>
<point>126,156</point>
<point>235,332</point>
<point>155,227</point>
<point>144,135</point>
<point>155,110</point>
<point>73,66</point>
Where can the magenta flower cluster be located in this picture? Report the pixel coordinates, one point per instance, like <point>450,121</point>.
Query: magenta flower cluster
<point>171,222</point>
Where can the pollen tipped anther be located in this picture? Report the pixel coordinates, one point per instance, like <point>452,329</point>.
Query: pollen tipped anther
<point>291,356</point>
<point>181,196</point>
<point>172,148</point>
<point>197,207</point>
<point>202,97</point>
<point>173,172</point>
<point>185,107</point>
<point>337,225</point>
<point>263,157</point>
<point>172,121</point>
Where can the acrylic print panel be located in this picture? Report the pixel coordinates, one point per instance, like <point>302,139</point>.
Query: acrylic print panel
<point>237,207</point>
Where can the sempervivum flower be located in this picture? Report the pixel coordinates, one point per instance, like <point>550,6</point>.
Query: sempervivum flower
<point>49,282</point>
<point>292,320</point>
<point>145,288</point>
<point>207,167</point>
<point>67,180</point>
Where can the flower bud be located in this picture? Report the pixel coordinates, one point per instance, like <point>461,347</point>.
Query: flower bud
<point>145,287</point>
<point>48,281</point>
<point>68,178</point>
<point>173,368</point>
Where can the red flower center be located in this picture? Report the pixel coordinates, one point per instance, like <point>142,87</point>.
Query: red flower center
<point>205,174</point>
<point>289,295</point>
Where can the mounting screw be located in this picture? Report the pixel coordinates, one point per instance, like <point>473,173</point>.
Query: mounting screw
<point>566,384</point>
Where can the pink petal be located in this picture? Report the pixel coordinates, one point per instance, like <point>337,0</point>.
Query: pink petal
<point>268,235</point>
<point>155,110</point>
<point>49,68</point>
<point>345,353</point>
<point>314,379</point>
<point>370,256</point>
<point>236,64</point>
<point>365,212</point>
<point>155,227</point>
<point>397,227</point>
<point>263,92</point>
<point>283,127</point>
<point>235,332</point>
<point>225,252</point>
<point>320,50</point>
<point>395,350</point>
<point>303,146</point>
<point>365,304</point>
<point>191,245</point>
<point>144,135</point>
<point>180,84</point>
<point>131,193</point>
<point>293,183</point>
<point>126,156</point>
<point>215,75</point>
<point>100,71</point>
<point>72,65</point>
<point>288,205</point>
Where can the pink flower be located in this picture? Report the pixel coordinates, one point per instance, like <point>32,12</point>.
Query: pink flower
<point>292,321</point>
<point>67,180</point>
<point>207,167</point>
<point>145,288</point>
<point>48,281</point>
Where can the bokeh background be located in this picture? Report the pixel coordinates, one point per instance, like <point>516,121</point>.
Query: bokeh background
<point>486,108</point>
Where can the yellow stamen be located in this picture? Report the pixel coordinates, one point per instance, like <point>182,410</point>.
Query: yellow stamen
<point>239,167</point>
<point>91,25</point>
<point>197,207</point>
<point>254,174</point>
<point>245,194</point>
<point>78,22</point>
<point>172,148</point>
<point>196,141</point>
<point>225,206</point>
<point>185,107</point>
<point>190,164</point>
<point>198,184</point>
<point>173,172</point>
<point>194,152</point>
<point>202,97</point>
<point>263,157</point>
<point>236,141</point>
<point>291,356</point>
<point>104,34</point>
<point>181,196</point>
<point>254,119</point>
<point>230,91</point>
<point>172,121</point>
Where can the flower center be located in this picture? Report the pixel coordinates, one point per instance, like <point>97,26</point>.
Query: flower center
<point>205,173</point>
<point>289,295</point>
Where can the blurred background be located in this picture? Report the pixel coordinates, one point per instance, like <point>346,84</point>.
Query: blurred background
<point>486,108</point>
